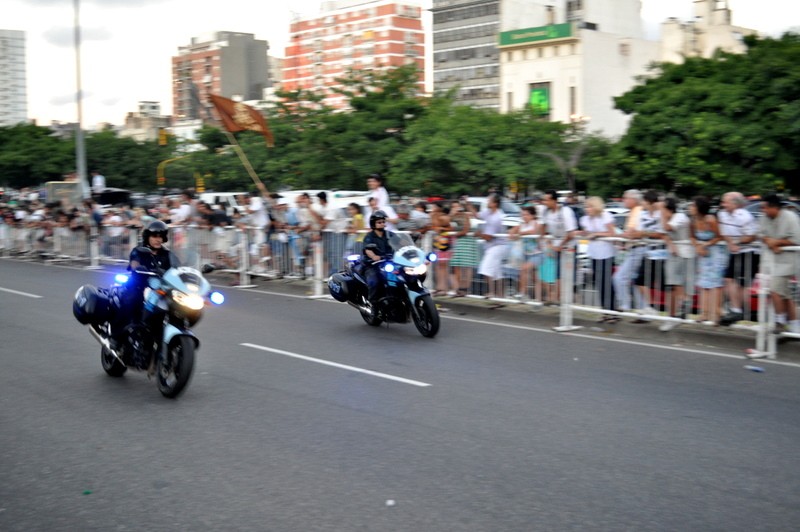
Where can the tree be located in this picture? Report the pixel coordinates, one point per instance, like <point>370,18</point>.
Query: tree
<point>731,122</point>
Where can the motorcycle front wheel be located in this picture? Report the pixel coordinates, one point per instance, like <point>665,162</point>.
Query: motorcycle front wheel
<point>111,365</point>
<point>172,374</point>
<point>426,316</point>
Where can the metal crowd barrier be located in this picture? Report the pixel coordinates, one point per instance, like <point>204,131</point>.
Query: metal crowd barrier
<point>528,273</point>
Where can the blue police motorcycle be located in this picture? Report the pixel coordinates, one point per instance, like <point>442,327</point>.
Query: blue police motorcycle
<point>403,295</point>
<point>162,343</point>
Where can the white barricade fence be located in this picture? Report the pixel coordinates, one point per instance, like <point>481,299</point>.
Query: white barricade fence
<point>643,279</point>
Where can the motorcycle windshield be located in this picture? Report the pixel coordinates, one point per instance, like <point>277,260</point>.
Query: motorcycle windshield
<point>400,240</point>
<point>405,252</point>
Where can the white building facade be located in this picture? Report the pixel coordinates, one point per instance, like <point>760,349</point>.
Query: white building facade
<point>569,61</point>
<point>13,85</point>
<point>708,31</point>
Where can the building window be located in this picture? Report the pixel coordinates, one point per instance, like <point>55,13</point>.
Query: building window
<point>573,103</point>
<point>510,100</point>
<point>539,99</point>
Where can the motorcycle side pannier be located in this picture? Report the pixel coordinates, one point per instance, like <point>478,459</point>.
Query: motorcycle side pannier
<point>341,285</point>
<point>90,305</point>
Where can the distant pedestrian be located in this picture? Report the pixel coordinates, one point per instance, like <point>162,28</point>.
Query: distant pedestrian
<point>98,182</point>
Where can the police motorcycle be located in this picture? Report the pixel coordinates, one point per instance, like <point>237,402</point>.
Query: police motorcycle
<point>162,342</point>
<point>403,296</point>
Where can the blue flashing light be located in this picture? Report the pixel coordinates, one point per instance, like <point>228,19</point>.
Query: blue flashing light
<point>217,298</point>
<point>432,257</point>
<point>121,278</point>
<point>389,268</point>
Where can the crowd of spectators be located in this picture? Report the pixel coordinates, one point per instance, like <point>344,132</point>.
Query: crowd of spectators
<point>703,261</point>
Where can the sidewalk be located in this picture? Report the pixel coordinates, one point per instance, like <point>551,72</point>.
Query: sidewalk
<point>728,340</point>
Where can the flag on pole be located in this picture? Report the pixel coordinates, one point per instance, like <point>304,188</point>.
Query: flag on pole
<point>237,116</point>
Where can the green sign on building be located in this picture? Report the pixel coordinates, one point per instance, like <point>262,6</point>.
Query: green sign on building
<point>542,33</point>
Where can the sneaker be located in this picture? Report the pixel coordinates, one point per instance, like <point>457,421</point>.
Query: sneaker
<point>794,327</point>
<point>730,318</point>
<point>649,311</point>
<point>451,293</point>
<point>668,326</point>
<point>780,328</point>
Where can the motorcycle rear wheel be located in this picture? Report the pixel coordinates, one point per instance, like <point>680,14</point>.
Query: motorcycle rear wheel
<point>426,316</point>
<point>173,375</point>
<point>111,365</point>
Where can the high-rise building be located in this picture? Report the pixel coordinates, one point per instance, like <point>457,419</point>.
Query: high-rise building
<point>229,64</point>
<point>146,123</point>
<point>465,53</point>
<point>710,30</point>
<point>568,62</point>
<point>352,35</point>
<point>13,88</point>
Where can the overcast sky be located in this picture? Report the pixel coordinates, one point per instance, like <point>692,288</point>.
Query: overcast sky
<point>127,45</point>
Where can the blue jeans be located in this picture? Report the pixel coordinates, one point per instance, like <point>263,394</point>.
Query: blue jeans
<point>623,280</point>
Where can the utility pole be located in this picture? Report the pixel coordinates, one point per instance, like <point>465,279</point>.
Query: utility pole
<point>80,149</point>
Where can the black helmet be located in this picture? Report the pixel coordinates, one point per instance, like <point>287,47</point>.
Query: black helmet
<point>155,228</point>
<point>375,216</point>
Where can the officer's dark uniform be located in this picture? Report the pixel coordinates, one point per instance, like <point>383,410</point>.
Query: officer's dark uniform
<point>380,246</point>
<point>132,297</point>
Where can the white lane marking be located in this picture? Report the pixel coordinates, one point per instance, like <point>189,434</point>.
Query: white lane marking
<point>17,292</point>
<point>337,365</point>
<point>624,341</point>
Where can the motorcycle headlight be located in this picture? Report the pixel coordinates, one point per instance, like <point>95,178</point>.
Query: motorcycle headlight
<point>191,301</point>
<point>417,270</point>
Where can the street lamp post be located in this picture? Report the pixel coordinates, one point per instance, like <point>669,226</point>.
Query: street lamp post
<point>80,149</point>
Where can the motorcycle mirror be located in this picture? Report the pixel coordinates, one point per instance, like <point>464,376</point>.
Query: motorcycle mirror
<point>144,250</point>
<point>207,268</point>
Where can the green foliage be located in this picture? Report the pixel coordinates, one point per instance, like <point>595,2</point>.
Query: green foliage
<point>731,122</point>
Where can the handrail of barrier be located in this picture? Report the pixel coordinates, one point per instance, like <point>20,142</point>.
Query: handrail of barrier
<point>288,258</point>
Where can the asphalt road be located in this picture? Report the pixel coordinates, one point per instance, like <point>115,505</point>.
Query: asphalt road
<point>302,418</point>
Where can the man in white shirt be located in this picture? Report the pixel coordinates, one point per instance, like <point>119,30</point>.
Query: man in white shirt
<point>560,224</point>
<point>98,182</point>
<point>259,221</point>
<point>739,230</point>
<point>780,227</point>
<point>375,184</point>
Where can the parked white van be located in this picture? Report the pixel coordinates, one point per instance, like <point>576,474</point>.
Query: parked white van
<point>227,201</point>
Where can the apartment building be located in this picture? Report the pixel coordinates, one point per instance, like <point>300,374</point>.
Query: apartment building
<point>352,35</point>
<point>13,87</point>
<point>230,64</point>
<point>466,58</point>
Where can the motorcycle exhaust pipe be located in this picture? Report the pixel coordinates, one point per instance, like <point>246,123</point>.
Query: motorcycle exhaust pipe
<point>361,308</point>
<point>105,343</point>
